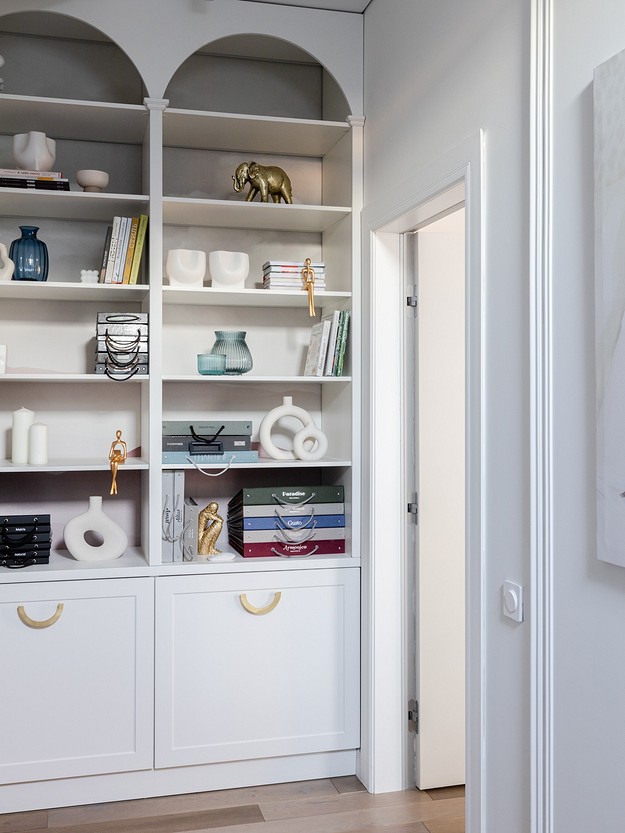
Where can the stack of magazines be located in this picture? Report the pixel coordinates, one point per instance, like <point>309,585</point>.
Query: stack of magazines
<point>38,180</point>
<point>24,540</point>
<point>122,344</point>
<point>287,521</point>
<point>287,274</point>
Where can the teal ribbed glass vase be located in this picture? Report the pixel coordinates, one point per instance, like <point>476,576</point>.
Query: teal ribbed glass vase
<point>234,347</point>
<point>30,256</point>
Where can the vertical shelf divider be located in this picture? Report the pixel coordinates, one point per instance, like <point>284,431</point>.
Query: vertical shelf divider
<point>153,179</point>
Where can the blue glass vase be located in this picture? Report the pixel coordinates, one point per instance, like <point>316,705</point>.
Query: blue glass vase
<point>235,349</point>
<point>30,256</point>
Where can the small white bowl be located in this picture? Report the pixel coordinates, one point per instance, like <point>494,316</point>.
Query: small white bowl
<point>92,180</point>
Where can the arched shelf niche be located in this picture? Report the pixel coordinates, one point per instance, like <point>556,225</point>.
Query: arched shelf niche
<point>50,57</point>
<point>257,75</point>
<point>57,56</point>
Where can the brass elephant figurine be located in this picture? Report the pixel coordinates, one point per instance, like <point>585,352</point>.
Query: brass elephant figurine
<point>263,180</point>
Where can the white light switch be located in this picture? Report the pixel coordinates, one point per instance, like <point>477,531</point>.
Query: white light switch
<point>513,600</point>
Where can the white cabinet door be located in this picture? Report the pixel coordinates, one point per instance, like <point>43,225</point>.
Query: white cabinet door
<point>256,665</point>
<point>76,661</point>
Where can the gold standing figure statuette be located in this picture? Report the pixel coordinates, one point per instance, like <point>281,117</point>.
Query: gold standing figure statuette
<point>308,281</point>
<point>209,525</point>
<point>117,457</point>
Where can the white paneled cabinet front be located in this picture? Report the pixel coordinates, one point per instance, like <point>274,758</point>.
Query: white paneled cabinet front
<point>77,671</point>
<point>256,666</point>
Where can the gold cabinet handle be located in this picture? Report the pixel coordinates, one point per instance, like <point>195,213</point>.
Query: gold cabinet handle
<point>34,623</point>
<point>259,611</point>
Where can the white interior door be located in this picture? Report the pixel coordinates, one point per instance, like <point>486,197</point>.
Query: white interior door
<point>438,255</point>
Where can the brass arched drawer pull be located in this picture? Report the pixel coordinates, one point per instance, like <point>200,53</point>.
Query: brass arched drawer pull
<point>259,611</point>
<point>45,623</point>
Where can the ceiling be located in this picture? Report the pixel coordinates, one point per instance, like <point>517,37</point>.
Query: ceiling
<point>334,5</point>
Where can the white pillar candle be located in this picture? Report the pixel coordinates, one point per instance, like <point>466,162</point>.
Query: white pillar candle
<point>3,358</point>
<point>38,444</point>
<point>22,420</point>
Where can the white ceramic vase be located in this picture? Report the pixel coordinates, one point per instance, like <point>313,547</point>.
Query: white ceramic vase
<point>185,267</point>
<point>113,538</point>
<point>33,151</point>
<point>309,443</point>
<point>228,270</point>
<point>8,267</point>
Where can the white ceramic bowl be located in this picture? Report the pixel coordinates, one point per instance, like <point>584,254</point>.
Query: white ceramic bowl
<point>92,180</point>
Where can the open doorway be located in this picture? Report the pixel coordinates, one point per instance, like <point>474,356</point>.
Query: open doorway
<point>434,274</point>
<point>386,760</point>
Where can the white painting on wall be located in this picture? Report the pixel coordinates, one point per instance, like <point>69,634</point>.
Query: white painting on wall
<point>609,124</point>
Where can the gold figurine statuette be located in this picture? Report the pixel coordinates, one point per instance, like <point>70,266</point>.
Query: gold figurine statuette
<point>209,526</point>
<point>117,457</point>
<point>308,281</point>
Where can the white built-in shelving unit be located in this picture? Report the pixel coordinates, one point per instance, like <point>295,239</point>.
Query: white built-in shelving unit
<point>175,165</point>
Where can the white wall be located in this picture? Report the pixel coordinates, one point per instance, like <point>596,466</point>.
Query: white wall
<point>589,596</point>
<point>435,74</point>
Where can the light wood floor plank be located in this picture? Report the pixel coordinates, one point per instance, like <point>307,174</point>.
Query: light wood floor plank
<point>192,803</point>
<point>411,827</point>
<point>23,822</point>
<point>349,822</point>
<point>446,826</point>
<point>223,818</point>
<point>348,784</point>
<point>446,792</point>
<point>338,804</point>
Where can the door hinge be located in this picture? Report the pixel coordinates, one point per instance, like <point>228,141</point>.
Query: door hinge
<point>413,508</point>
<point>412,301</point>
<point>413,716</point>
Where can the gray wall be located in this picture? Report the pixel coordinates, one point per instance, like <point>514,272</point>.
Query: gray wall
<point>589,603</point>
<point>436,73</point>
<point>433,74</point>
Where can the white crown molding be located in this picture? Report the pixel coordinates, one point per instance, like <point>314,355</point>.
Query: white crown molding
<point>541,418</point>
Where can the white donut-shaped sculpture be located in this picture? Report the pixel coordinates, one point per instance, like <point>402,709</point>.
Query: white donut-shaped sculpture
<point>309,431</point>
<point>319,443</point>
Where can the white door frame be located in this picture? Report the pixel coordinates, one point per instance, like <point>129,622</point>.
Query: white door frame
<point>383,758</point>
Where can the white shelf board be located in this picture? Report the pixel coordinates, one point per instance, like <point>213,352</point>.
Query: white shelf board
<point>98,378</point>
<point>249,297</point>
<point>66,118</point>
<point>248,379</point>
<point>72,291</point>
<point>69,205</point>
<point>63,566</point>
<point>243,133</point>
<point>259,565</point>
<point>265,463</point>
<point>73,464</point>
<point>187,211</point>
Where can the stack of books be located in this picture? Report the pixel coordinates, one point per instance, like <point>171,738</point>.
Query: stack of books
<point>124,245</point>
<point>328,345</point>
<point>39,180</point>
<point>287,521</point>
<point>122,344</point>
<point>25,540</point>
<point>201,442</point>
<point>287,274</point>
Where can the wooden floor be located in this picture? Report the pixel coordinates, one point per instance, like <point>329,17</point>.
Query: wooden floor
<point>336,805</point>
